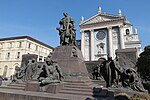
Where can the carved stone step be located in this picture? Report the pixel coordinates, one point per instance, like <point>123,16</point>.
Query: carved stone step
<point>17,85</point>
<point>13,94</point>
<point>13,87</point>
<point>77,89</point>
<point>77,86</point>
<point>76,93</point>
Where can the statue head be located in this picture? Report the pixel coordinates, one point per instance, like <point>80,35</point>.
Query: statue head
<point>65,14</point>
<point>117,58</point>
<point>29,61</point>
<point>17,68</point>
<point>33,60</point>
<point>50,55</point>
<point>48,61</point>
<point>101,65</point>
<point>109,58</point>
<point>129,72</point>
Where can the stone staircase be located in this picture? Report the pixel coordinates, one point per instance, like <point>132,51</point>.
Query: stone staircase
<point>77,88</point>
<point>70,89</point>
<point>17,86</point>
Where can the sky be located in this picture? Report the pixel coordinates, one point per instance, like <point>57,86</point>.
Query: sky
<point>39,18</point>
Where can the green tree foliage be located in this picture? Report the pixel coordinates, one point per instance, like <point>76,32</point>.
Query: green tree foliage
<point>143,63</point>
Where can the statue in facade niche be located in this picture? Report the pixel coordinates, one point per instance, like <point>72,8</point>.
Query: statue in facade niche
<point>100,48</point>
<point>51,72</point>
<point>67,30</point>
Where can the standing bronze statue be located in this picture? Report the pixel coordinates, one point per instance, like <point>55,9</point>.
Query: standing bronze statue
<point>111,72</point>
<point>67,30</point>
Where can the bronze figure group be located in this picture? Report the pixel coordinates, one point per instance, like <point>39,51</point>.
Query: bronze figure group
<point>26,72</point>
<point>116,76</point>
<point>110,70</point>
<point>67,30</point>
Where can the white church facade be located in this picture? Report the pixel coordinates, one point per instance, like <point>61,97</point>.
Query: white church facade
<point>103,33</point>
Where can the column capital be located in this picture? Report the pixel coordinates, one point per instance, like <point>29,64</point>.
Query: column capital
<point>81,31</point>
<point>91,30</point>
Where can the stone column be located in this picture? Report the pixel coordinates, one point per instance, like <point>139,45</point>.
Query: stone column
<point>121,37</point>
<point>82,42</point>
<point>92,44</point>
<point>110,44</point>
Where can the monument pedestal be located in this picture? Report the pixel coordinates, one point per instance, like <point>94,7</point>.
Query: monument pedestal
<point>71,61</point>
<point>76,85</point>
<point>51,88</point>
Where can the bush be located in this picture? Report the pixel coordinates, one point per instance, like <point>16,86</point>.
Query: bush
<point>142,96</point>
<point>138,96</point>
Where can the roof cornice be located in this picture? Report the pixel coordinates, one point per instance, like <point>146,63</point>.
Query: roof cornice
<point>25,37</point>
<point>106,15</point>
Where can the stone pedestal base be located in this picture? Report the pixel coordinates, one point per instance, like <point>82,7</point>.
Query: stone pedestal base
<point>51,88</point>
<point>54,88</point>
<point>103,94</point>
<point>99,83</point>
<point>32,86</point>
<point>71,61</point>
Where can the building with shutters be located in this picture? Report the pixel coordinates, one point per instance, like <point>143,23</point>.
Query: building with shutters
<point>12,49</point>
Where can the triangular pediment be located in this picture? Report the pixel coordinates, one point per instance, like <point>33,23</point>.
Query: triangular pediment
<point>99,18</point>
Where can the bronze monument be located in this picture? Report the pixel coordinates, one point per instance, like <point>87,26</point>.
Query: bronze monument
<point>67,31</point>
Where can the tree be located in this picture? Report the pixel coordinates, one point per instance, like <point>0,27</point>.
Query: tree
<point>143,63</point>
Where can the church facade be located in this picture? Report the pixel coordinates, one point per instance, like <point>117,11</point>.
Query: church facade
<point>104,33</point>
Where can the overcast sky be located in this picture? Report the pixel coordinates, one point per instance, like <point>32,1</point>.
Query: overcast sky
<point>39,18</point>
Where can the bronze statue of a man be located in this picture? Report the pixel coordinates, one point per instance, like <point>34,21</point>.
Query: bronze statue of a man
<point>67,30</point>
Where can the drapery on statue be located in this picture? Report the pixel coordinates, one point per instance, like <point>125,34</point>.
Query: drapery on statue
<point>67,30</point>
<point>31,70</point>
<point>51,72</point>
<point>110,73</point>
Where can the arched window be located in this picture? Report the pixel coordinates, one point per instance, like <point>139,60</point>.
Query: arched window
<point>127,32</point>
